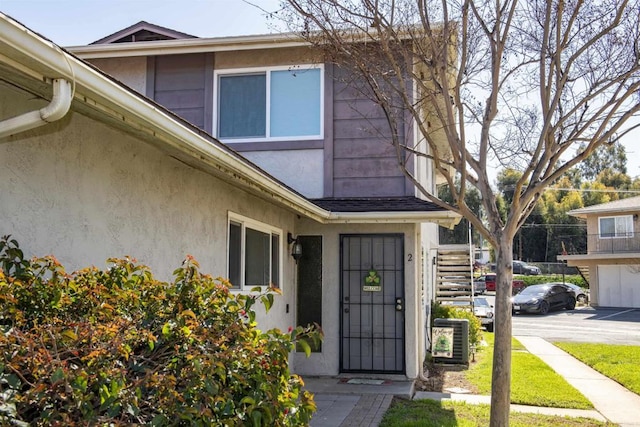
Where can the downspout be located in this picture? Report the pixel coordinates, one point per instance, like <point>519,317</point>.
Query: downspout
<point>57,109</point>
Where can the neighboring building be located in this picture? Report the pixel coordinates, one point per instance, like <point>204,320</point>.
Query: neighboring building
<point>613,252</point>
<point>130,168</point>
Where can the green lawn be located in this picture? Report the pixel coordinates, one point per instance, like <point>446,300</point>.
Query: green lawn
<point>533,382</point>
<point>430,413</point>
<point>618,362</point>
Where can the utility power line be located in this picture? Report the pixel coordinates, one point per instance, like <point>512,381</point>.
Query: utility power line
<point>593,190</point>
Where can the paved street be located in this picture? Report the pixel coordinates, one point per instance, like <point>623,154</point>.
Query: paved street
<point>584,324</point>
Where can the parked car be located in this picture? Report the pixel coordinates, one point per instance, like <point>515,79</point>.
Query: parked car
<point>581,294</point>
<point>543,298</point>
<point>520,267</point>
<point>517,285</point>
<point>481,308</point>
<point>484,311</point>
<point>479,285</point>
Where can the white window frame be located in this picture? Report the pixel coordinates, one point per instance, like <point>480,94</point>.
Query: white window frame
<point>627,234</point>
<point>245,223</point>
<point>267,70</point>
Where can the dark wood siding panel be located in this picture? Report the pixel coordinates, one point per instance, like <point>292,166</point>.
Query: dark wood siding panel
<point>188,98</point>
<point>361,128</point>
<point>357,109</point>
<point>180,71</point>
<point>180,85</point>
<point>364,161</point>
<point>328,130</point>
<point>366,168</point>
<point>348,148</point>
<point>192,115</point>
<point>371,187</point>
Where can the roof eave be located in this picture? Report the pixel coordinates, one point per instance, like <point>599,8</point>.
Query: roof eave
<point>183,46</point>
<point>581,213</point>
<point>444,218</point>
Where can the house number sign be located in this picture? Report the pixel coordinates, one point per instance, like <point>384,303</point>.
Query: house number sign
<point>372,282</point>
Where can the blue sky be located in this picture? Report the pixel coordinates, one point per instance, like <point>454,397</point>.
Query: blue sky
<point>79,22</point>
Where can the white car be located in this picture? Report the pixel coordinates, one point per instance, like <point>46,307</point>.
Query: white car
<point>481,308</point>
<point>582,295</point>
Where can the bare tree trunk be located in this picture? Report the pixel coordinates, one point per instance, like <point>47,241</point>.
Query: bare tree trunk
<point>501,375</point>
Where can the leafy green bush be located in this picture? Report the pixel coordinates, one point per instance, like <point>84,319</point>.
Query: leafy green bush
<point>535,280</point>
<point>118,347</point>
<point>439,311</point>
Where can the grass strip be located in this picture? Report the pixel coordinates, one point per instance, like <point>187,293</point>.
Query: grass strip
<point>618,362</point>
<point>533,382</point>
<point>431,413</point>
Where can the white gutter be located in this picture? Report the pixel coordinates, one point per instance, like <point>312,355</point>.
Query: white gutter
<point>181,46</point>
<point>444,218</point>
<point>57,109</point>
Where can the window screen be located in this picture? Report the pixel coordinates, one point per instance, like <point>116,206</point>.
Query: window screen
<point>242,106</point>
<point>257,258</point>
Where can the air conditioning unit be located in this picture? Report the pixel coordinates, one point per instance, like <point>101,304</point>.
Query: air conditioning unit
<point>460,345</point>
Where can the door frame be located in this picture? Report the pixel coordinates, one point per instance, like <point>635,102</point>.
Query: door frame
<point>402,266</point>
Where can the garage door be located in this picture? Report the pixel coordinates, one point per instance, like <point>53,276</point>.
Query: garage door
<point>619,286</point>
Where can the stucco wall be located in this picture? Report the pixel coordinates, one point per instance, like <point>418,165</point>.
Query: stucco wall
<point>85,192</point>
<point>130,71</point>
<point>265,57</point>
<point>327,361</point>
<point>300,169</point>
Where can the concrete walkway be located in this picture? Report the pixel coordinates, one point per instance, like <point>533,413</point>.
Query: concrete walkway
<point>349,402</point>
<point>361,402</point>
<point>615,402</point>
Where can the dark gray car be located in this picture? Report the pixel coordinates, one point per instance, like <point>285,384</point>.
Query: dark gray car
<point>543,298</point>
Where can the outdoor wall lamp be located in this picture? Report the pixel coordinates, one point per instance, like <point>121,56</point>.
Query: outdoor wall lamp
<point>296,249</point>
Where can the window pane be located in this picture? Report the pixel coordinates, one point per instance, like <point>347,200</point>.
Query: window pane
<point>295,102</point>
<point>607,227</point>
<point>623,225</point>
<point>275,260</point>
<point>257,258</point>
<point>242,106</point>
<point>235,253</point>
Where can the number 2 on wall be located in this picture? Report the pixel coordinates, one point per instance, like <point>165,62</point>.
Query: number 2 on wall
<point>410,257</point>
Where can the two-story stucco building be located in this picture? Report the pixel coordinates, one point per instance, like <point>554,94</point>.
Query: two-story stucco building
<point>613,252</point>
<point>235,151</point>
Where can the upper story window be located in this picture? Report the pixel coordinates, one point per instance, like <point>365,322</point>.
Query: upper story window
<point>616,226</point>
<point>278,103</point>
<point>254,253</point>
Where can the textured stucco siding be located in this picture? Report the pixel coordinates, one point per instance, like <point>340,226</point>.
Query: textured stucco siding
<point>130,71</point>
<point>265,57</point>
<point>300,169</point>
<point>86,192</point>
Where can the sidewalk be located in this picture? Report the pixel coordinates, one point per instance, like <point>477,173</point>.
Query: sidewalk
<point>615,402</point>
<point>349,402</point>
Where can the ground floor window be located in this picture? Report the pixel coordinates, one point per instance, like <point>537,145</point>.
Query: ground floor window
<point>254,253</point>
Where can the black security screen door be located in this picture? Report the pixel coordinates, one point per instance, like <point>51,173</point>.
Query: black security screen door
<point>372,303</point>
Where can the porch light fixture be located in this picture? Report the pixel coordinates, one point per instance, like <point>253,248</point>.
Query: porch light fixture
<point>296,249</point>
